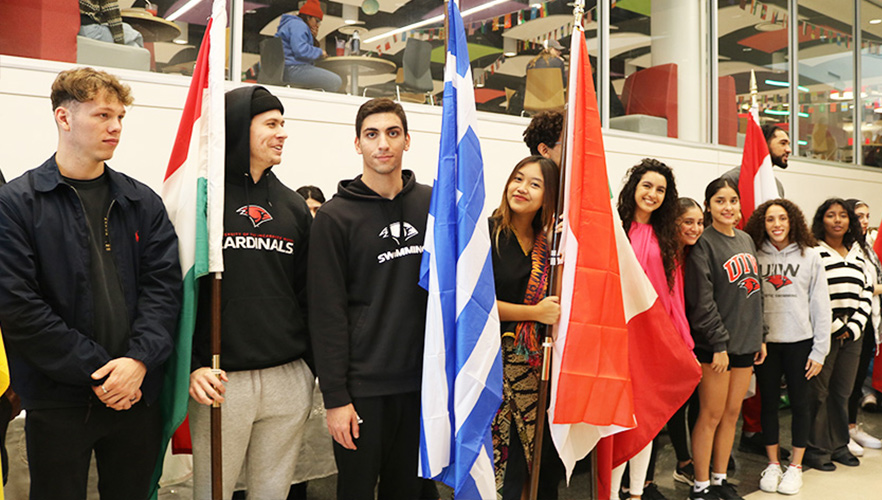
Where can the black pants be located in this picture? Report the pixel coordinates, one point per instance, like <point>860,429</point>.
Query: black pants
<point>387,450</point>
<point>828,400</point>
<point>551,470</point>
<point>868,350</point>
<point>789,360</point>
<point>61,441</point>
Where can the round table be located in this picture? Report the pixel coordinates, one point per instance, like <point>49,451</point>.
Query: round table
<point>352,66</point>
<point>152,28</point>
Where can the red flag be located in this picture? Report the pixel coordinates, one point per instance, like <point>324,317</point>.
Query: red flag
<point>756,183</point>
<point>619,363</point>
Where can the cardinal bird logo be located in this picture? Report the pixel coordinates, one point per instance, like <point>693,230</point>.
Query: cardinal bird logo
<point>779,281</point>
<point>258,215</point>
<point>751,285</point>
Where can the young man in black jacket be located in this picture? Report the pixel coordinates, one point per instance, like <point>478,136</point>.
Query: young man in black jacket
<point>90,289</point>
<point>367,313</point>
<point>264,336</point>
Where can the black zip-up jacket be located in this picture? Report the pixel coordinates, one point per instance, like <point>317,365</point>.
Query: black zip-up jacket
<point>266,240</point>
<point>46,308</point>
<point>367,312</point>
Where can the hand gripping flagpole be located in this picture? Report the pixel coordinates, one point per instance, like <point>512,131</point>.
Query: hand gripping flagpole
<point>555,262</point>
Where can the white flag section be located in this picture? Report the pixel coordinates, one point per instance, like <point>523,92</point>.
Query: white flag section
<point>193,193</point>
<point>462,364</point>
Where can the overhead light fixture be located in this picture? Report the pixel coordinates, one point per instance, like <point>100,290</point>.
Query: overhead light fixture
<point>802,143</point>
<point>509,47</point>
<point>875,21</point>
<point>350,14</point>
<point>779,112</point>
<point>182,39</point>
<point>433,20</point>
<point>778,83</point>
<point>187,7</point>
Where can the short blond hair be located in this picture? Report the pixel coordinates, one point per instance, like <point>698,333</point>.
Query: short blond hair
<point>84,84</point>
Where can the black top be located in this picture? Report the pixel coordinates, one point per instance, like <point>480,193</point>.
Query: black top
<point>511,271</point>
<point>367,312</point>
<point>111,326</point>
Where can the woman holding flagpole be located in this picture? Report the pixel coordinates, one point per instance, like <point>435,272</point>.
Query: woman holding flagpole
<point>520,264</point>
<point>724,308</point>
<point>648,208</point>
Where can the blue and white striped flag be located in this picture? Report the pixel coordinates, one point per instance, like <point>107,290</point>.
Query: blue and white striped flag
<point>462,364</point>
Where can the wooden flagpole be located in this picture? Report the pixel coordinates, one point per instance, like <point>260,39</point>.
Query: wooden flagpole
<point>217,463</point>
<point>555,262</point>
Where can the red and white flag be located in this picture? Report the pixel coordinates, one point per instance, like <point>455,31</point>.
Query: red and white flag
<point>602,383</point>
<point>756,183</point>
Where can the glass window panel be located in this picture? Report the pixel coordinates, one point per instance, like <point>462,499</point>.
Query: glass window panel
<point>826,79</point>
<point>871,83</point>
<point>752,39</point>
<point>657,67</point>
<point>394,35</point>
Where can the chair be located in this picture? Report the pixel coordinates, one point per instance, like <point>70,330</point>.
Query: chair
<point>417,68</point>
<point>114,55</point>
<point>272,62</point>
<point>544,90</point>
<point>728,112</point>
<point>650,96</point>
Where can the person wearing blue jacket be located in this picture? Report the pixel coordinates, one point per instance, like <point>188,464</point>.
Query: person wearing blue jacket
<point>90,291</point>
<point>299,36</point>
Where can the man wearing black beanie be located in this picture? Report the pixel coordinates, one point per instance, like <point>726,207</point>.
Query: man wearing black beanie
<point>267,385</point>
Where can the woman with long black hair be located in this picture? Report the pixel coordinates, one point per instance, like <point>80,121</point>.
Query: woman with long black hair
<point>518,231</point>
<point>842,249</point>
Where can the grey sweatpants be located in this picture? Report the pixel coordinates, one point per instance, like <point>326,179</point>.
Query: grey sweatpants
<point>263,417</point>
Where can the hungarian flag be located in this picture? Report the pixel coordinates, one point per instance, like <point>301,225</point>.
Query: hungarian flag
<point>193,192</point>
<point>619,363</point>
<point>756,183</point>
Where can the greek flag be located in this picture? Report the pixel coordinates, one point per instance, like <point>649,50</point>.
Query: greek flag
<point>462,365</point>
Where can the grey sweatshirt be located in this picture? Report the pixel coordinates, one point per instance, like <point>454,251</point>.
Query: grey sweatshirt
<point>722,290</point>
<point>796,305</point>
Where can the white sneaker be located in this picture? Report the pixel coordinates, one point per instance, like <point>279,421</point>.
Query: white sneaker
<point>862,438</point>
<point>855,449</point>
<point>791,482</point>
<point>770,478</point>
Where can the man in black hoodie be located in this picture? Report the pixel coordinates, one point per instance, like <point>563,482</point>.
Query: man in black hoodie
<point>367,313</point>
<point>264,337</point>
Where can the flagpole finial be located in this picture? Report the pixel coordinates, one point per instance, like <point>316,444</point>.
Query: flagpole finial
<point>578,13</point>
<point>753,91</point>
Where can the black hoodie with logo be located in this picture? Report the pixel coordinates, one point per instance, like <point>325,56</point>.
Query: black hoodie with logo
<point>367,313</point>
<point>266,235</point>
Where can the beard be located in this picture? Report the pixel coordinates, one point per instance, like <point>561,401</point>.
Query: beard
<point>778,161</point>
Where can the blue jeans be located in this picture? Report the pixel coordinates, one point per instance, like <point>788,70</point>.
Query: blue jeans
<point>310,77</point>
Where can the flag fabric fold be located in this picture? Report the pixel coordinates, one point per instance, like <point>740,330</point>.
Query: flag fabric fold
<point>193,195</point>
<point>756,182</point>
<point>462,364</point>
<point>619,362</point>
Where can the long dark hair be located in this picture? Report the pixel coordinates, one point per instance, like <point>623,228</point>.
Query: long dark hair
<point>709,192</point>
<point>853,234</point>
<point>683,205</point>
<point>663,219</point>
<point>544,218</point>
<point>798,233</point>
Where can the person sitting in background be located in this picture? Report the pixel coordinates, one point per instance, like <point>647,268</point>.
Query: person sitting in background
<point>101,20</point>
<point>550,57</point>
<point>299,36</point>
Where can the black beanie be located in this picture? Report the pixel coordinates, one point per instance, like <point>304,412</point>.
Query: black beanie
<point>262,101</point>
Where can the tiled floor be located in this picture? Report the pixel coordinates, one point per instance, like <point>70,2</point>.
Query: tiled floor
<point>862,483</point>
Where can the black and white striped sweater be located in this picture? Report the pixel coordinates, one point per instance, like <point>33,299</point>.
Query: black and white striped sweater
<point>850,290</point>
